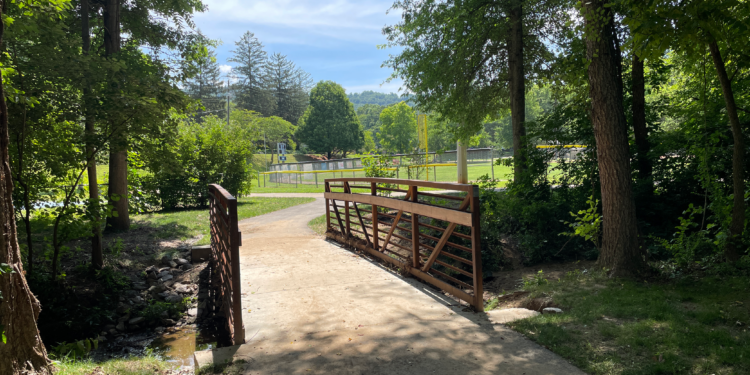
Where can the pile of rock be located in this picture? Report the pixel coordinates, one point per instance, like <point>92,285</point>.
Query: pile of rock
<point>155,283</point>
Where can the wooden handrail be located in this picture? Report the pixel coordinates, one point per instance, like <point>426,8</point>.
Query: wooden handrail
<point>451,269</point>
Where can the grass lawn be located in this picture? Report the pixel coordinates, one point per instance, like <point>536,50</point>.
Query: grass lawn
<point>186,224</point>
<point>627,327</point>
<point>147,365</point>
<point>318,225</point>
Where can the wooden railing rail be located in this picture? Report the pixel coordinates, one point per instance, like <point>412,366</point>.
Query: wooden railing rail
<point>420,232</point>
<point>225,262</point>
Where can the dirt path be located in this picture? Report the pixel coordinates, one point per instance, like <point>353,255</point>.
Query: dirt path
<point>311,307</point>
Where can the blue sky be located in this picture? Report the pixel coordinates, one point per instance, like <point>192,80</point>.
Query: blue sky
<point>331,39</point>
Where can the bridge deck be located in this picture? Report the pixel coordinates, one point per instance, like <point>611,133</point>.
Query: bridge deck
<point>311,307</point>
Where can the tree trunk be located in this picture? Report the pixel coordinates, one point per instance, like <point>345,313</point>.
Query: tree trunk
<point>97,259</point>
<point>517,90</point>
<point>118,155</point>
<point>640,129</point>
<point>619,253</point>
<point>19,309</point>
<point>738,156</point>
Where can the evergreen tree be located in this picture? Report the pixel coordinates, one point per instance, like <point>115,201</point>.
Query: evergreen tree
<point>253,91</point>
<point>289,86</point>
<point>206,85</point>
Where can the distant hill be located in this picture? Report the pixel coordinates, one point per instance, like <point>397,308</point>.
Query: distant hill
<point>372,97</point>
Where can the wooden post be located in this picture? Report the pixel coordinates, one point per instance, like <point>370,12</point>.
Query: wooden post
<point>476,251</point>
<point>234,234</point>
<point>414,230</point>
<point>328,208</point>
<point>346,209</point>
<point>375,229</point>
<point>316,179</point>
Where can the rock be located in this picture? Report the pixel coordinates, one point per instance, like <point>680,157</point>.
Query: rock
<point>153,275</point>
<point>103,333</point>
<point>551,310</point>
<point>504,316</point>
<point>150,269</point>
<point>156,289</point>
<point>168,322</point>
<point>163,269</point>
<point>167,278</point>
<point>186,267</point>
<point>181,288</point>
<point>159,329</point>
<point>136,320</point>
<point>139,286</point>
<point>102,339</point>
<point>192,312</point>
<point>135,327</point>
<point>164,314</point>
<point>131,293</point>
<point>137,299</point>
<point>109,326</point>
<point>165,260</point>
<point>113,331</point>
<point>202,304</point>
<point>164,273</point>
<point>181,261</point>
<point>124,318</point>
<point>176,271</point>
<point>172,298</point>
<point>120,326</point>
<point>201,312</point>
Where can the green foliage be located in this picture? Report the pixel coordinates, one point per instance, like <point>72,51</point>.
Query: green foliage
<point>689,245</point>
<point>202,153</point>
<point>369,145</point>
<point>154,311</point>
<point>75,349</point>
<point>587,224</point>
<point>398,132</point>
<point>330,123</point>
<point>372,98</point>
<point>535,281</point>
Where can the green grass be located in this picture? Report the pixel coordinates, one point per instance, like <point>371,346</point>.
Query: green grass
<point>186,224</point>
<point>147,365</point>
<point>318,225</point>
<point>627,327</point>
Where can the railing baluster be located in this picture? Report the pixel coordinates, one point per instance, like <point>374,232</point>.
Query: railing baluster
<point>375,230</point>
<point>414,230</point>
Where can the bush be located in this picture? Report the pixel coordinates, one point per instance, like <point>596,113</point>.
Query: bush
<point>203,153</point>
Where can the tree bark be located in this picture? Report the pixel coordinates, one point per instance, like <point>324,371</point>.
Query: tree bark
<point>97,259</point>
<point>640,129</point>
<point>738,156</point>
<point>619,253</point>
<point>118,155</point>
<point>19,309</point>
<point>517,90</point>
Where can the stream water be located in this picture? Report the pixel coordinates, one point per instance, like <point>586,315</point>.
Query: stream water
<point>178,347</point>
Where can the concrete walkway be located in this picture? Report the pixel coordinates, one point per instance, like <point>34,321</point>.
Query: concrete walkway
<point>311,307</point>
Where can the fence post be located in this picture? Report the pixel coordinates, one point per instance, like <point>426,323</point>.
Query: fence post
<point>492,162</point>
<point>316,179</point>
<point>375,230</point>
<point>414,230</point>
<point>346,209</point>
<point>476,256</point>
<point>239,328</point>
<point>328,208</point>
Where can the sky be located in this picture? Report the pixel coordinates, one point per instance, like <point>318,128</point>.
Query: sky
<point>330,39</point>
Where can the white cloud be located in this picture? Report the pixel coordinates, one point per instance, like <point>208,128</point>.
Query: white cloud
<point>340,19</point>
<point>225,69</point>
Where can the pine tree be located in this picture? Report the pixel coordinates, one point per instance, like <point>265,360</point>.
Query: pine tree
<point>253,91</point>
<point>289,86</point>
<point>206,85</point>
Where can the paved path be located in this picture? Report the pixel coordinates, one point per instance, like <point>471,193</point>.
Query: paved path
<point>311,307</point>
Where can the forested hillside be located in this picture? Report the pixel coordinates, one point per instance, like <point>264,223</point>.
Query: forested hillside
<point>371,97</point>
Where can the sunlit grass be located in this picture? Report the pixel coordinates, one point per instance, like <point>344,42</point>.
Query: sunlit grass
<point>147,365</point>
<point>186,224</point>
<point>627,327</point>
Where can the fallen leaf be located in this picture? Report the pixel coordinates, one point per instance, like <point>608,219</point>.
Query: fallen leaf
<point>350,339</point>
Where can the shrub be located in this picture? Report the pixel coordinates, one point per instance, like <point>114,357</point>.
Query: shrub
<point>202,153</point>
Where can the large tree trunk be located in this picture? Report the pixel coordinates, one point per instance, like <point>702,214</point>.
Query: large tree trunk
<point>738,156</point>
<point>619,253</point>
<point>517,90</point>
<point>97,259</point>
<point>639,121</point>
<point>118,155</point>
<point>19,309</point>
